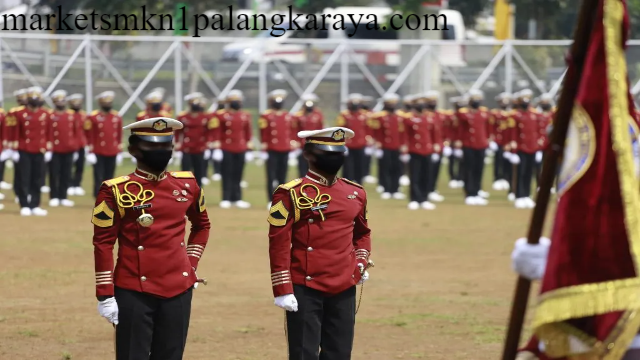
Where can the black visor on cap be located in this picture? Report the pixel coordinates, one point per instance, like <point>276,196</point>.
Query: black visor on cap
<point>331,148</point>
<point>155,139</point>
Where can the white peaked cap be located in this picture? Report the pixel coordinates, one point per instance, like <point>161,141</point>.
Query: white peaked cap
<point>76,96</point>
<point>59,93</point>
<point>154,95</point>
<point>309,97</point>
<point>390,97</point>
<point>157,130</point>
<point>329,139</point>
<point>355,97</point>
<point>235,95</point>
<point>106,94</point>
<point>192,96</point>
<point>278,93</point>
<point>20,92</point>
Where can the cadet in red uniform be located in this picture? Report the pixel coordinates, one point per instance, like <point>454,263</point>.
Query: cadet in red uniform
<point>64,133</point>
<point>436,119</point>
<point>193,140</point>
<point>500,118</point>
<point>165,105</point>
<point>319,246</point>
<point>456,161</point>
<point>234,132</point>
<point>369,151</point>
<point>80,117</point>
<point>154,107</point>
<point>10,123</point>
<point>147,296</point>
<point>104,135</point>
<point>526,142</point>
<point>307,119</point>
<point>546,111</point>
<point>475,130</point>
<point>216,161</point>
<point>356,119</point>
<point>278,139</point>
<point>420,147</point>
<point>390,140</point>
<point>29,135</point>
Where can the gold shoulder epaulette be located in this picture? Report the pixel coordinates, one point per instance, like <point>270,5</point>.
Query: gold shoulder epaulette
<point>484,108</point>
<point>182,174</point>
<point>352,183</point>
<point>69,111</point>
<point>141,113</point>
<point>114,112</point>
<point>268,111</point>
<point>182,113</point>
<point>299,113</point>
<point>220,111</point>
<point>379,113</point>
<point>291,184</point>
<point>463,110</point>
<point>95,112</point>
<point>116,181</point>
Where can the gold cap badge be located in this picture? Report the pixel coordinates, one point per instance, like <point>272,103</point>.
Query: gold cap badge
<point>338,135</point>
<point>159,125</point>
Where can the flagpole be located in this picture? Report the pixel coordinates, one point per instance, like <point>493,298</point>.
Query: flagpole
<point>582,36</point>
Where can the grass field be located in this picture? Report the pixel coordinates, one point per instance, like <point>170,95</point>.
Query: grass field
<point>441,287</point>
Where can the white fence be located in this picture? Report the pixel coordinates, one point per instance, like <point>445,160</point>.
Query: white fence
<point>331,69</point>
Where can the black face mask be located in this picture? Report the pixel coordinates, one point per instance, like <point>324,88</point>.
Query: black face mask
<point>329,163</point>
<point>408,107</point>
<point>33,102</point>
<point>76,108</point>
<point>430,107</point>
<point>474,104</point>
<point>308,109</point>
<point>106,108</point>
<point>389,108</point>
<point>353,107</point>
<point>60,107</point>
<point>156,160</point>
<point>235,105</point>
<point>156,107</point>
<point>545,107</point>
<point>524,105</point>
<point>196,108</point>
<point>365,107</point>
<point>276,105</point>
<point>418,108</point>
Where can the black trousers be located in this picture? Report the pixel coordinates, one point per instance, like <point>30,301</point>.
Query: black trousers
<point>148,324</point>
<point>498,169</point>
<point>474,166</point>
<point>354,165</point>
<point>390,170</point>
<point>195,163</point>
<point>419,174</point>
<point>104,169</point>
<point>78,169</point>
<point>17,180</point>
<point>323,326</point>
<point>367,165</point>
<point>525,174</point>
<point>455,168</point>
<point>2,170</point>
<point>277,166</point>
<point>217,166</point>
<point>60,174</point>
<point>537,168</point>
<point>31,168</point>
<point>434,174</point>
<point>232,170</point>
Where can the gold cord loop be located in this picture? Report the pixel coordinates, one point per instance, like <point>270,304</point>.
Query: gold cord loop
<point>129,199</point>
<point>305,202</point>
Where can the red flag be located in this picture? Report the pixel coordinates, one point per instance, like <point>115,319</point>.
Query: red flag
<point>590,295</point>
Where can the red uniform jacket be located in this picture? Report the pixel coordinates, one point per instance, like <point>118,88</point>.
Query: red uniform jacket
<point>31,130</point>
<point>526,133</point>
<point>418,133</point>
<point>304,249</point>
<point>474,128</point>
<point>311,121</point>
<point>500,123</point>
<point>80,117</point>
<point>155,259</point>
<point>389,130</point>
<point>147,114</point>
<point>194,137</point>
<point>436,121</point>
<point>233,131</point>
<point>448,127</point>
<point>358,122</point>
<point>105,133</point>
<point>277,132</point>
<point>64,131</point>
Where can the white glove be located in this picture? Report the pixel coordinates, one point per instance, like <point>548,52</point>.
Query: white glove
<point>178,155</point>
<point>119,159</point>
<point>458,153</point>
<point>515,159</point>
<point>47,156</point>
<point>364,277</point>
<point>134,160</point>
<point>539,157</point>
<point>346,152</point>
<point>75,156</point>
<point>507,155</point>
<point>195,286</point>
<point>529,260</point>
<point>248,156</point>
<point>446,151</point>
<point>435,157</point>
<point>207,154</point>
<point>369,150</point>
<point>489,152</point>
<point>287,302</point>
<point>405,158</point>
<point>5,155</point>
<point>379,153</point>
<point>217,155</point>
<point>15,156</point>
<point>293,154</point>
<point>108,309</point>
<point>91,158</point>
<point>264,155</point>
<point>493,146</point>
